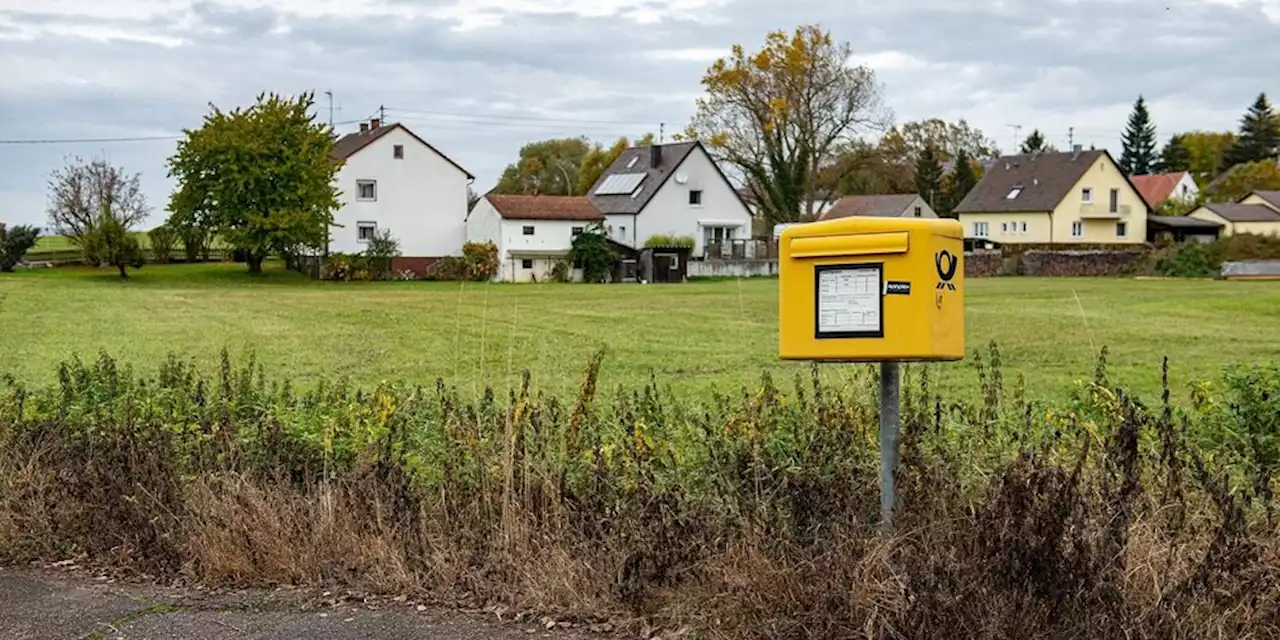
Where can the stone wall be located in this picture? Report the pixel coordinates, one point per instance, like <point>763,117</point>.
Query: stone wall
<point>982,264</point>
<point>733,268</point>
<point>1078,263</point>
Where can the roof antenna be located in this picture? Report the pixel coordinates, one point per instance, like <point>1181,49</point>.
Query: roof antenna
<point>662,132</point>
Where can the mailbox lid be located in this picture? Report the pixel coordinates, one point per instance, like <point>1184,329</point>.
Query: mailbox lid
<point>858,225</point>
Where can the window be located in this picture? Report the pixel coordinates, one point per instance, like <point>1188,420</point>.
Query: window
<point>1122,229</point>
<point>695,198</point>
<point>1013,193</point>
<point>1184,189</point>
<point>1077,229</point>
<point>1004,227</point>
<point>398,152</point>
<point>366,190</point>
<point>622,232</point>
<point>528,230</point>
<point>675,263</point>
<point>980,229</point>
<point>632,163</point>
<point>526,263</point>
<point>366,230</point>
<point>1024,227</point>
<point>1115,201</point>
<point>918,210</point>
<point>577,231</point>
<point>1086,195</point>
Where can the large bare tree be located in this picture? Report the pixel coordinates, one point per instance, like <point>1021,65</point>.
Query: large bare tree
<point>778,115</point>
<point>95,204</point>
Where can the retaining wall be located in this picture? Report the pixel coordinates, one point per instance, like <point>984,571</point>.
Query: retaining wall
<point>733,268</point>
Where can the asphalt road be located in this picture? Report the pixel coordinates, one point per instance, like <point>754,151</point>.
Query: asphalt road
<point>57,604</point>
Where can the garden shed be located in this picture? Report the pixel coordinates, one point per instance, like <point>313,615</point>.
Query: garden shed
<point>664,264</point>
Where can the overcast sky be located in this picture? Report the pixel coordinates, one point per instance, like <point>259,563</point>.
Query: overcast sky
<point>478,78</point>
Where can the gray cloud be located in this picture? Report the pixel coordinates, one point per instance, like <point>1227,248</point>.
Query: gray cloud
<point>600,68</point>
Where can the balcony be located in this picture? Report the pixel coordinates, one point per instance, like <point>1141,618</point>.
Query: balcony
<point>1091,211</point>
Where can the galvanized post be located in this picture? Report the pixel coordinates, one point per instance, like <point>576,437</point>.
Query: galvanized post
<point>890,416</point>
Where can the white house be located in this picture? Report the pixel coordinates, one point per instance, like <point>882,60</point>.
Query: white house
<point>823,201</point>
<point>532,233</point>
<point>670,189</point>
<point>392,179</point>
<point>1159,188</point>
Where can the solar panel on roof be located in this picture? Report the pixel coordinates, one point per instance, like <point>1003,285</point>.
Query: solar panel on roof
<point>620,184</point>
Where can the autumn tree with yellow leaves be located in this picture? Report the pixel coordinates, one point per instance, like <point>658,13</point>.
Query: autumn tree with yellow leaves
<point>779,114</point>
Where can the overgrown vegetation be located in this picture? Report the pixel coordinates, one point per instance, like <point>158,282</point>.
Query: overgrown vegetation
<point>591,250</point>
<point>663,241</point>
<point>749,514</point>
<point>1204,260</point>
<point>14,243</point>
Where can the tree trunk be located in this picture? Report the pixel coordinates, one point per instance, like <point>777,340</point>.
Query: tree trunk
<point>255,262</point>
<point>123,273</point>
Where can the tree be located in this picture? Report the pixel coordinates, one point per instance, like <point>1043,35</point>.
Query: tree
<point>861,168</point>
<point>472,198</point>
<point>928,181</point>
<point>1174,156</point>
<point>15,242</point>
<point>109,243</point>
<point>778,115</point>
<point>84,193</point>
<point>1242,179</point>
<point>906,143</point>
<point>591,250</point>
<point>547,167</point>
<point>1207,152</point>
<point>1259,137</point>
<point>1035,143</point>
<point>1138,155</point>
<point>598,159</point>
<point>260,177</point>
<point>163,238</point>
<point>958,183</point>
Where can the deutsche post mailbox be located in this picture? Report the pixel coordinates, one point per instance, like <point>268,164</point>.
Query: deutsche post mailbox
<point>872,289</point>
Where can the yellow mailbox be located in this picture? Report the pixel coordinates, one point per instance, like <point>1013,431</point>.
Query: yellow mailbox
<point>872,289</point>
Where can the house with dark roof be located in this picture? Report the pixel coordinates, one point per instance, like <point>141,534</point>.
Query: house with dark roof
<point>532,233</point>
<point>822,200</point>
<point>1070,197</point>
<point>393,180</point>
<point>905,205</point>
<point>1160,188</point>
<point>1258,212</point>
<point>672,189</point>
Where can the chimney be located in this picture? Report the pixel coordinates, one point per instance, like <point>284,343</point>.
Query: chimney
<point>1075,151</point>
<point>375,123</point>
<point>655,155</point>
<point>364,127</point>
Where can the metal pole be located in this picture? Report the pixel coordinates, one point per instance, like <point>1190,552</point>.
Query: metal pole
<point>890,415</point>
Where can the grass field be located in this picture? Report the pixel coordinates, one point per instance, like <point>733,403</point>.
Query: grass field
<point>693,337</point>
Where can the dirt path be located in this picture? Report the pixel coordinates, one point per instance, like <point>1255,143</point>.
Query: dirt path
<point>47,604</point>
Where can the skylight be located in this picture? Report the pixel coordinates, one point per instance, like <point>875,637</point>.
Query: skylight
<point>1013,193</point>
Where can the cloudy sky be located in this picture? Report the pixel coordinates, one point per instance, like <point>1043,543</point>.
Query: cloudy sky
<point>480,77</point>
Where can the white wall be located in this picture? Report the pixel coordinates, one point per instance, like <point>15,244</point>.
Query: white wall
<point>548,235</point>
<point>484,225</point>
<point>422,199</point>
<point>1186,189</point>
<point>669,212</point>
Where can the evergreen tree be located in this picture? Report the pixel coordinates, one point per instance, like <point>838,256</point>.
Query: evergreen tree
<point>959,183</point>
<point>929,176</point>
<point>1035,143</point>
<point>1139,140</point>
<point>1259,137</point>
<point>1175,156</point>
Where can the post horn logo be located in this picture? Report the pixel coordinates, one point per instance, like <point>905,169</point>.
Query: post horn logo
<point>946,265</point>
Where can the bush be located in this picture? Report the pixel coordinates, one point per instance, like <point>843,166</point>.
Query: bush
<point>592,251</point>
<point>562,271</point>
<point>669,242</point>
<point>480,260</point>
<point>348,267</point>
<point>382,249</point>
<point>109,243</point>
<point>195,242</point>
<point>163,240</point>
<point>15,242</point>
<point>1204,260</point>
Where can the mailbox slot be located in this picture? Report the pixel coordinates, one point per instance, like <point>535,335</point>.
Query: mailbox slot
<point>865,244</point>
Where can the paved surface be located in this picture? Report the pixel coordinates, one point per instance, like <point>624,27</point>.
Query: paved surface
<point>57,604</point>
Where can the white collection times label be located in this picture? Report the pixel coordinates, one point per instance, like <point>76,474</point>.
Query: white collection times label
<point>849,300</point>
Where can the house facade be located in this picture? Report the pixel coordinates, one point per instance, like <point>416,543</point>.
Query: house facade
<point>1257,213</point>
<point>1160,188</point>
<point>670,190</point>
<point>907,205</point>
<point>532,233</point>
<point>1073,197</point>
<point>393,180</point>
<point>822,202</point>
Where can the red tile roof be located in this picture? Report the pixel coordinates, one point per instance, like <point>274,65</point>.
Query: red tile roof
<point>1157,188</point>
<point>521,207</point>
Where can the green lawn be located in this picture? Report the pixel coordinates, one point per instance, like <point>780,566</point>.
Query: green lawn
<point>692,336</point>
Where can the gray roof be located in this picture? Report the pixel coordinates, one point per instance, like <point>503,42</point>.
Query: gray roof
<point>1235,212</point>
<point>1045,178</point>
<point>1271,197</point>
<point>1183,222</point>
<point>878,206</point>
<point>672,155</point>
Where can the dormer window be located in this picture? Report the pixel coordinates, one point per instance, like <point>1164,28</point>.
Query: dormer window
<point>1013,193</point>
<point>633,162</point>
